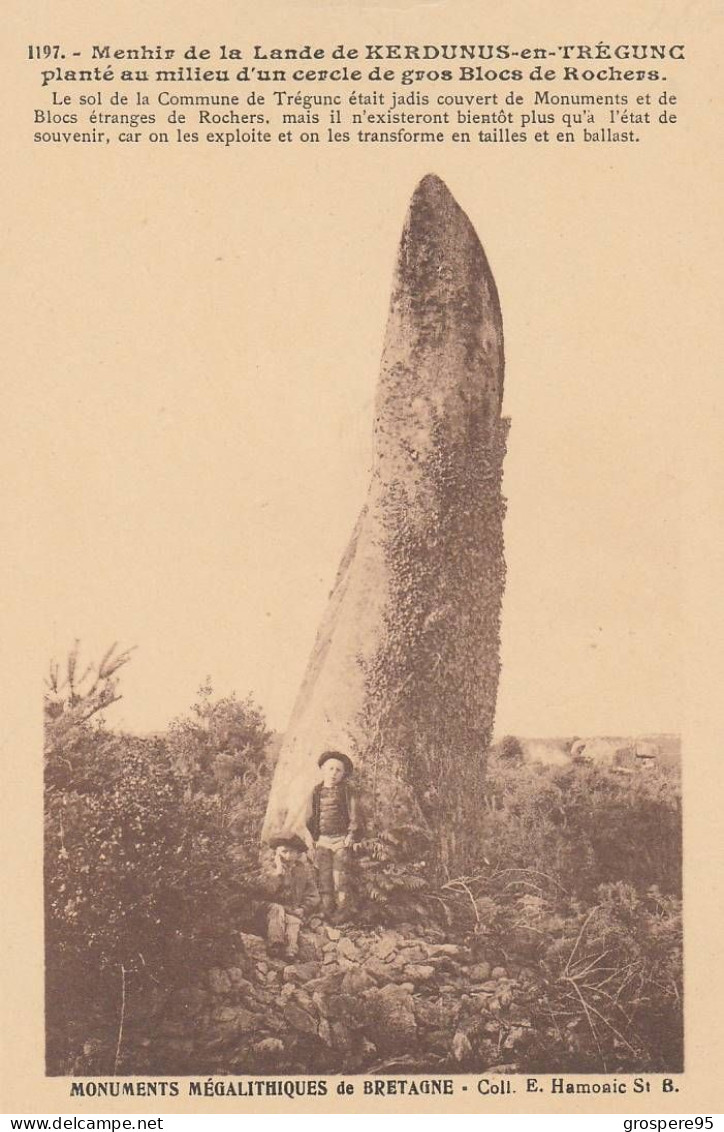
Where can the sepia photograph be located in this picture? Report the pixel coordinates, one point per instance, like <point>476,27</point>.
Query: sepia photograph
<point>368,760</point>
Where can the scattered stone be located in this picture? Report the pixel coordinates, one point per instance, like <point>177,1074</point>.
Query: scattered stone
<point>262,967</point>
<point>499,973</point>
<point>479,972</point>
<point>357,981</point>
<point>310,947</point>
<point>419,972</point>
<point>341,1036</point>
<point>414,954</point>
<point>253,945</point>
<point>445,949</point>
<point>321,1001</point>
<point>219,981</point>
<point>261,995</point>
<point>333,933</point>
<point>269,1045</point>
<point>237,1018</point>
<point>435,1015</point>
<point>378,969</point>
<point>386,945</point>
<point>347,948</point>
<point>343,1007</point>
<point>389,1019</point>
<point>299,1019</point>
<point>236,977</point>
<point>461,1047</point>
<point>303,999</point>
<point>301,972</point>
<point>330,983</point>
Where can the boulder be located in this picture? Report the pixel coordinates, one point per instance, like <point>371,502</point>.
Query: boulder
<point>269,1046</point>
<point>219,981</point>
<point>386,945</point>
<point>461,1047</point>
<point>237,1019</point>
<point>347,949</point>
<point>357,981</point>
<point>380,971</point>
<point>253,945</point>
<point>389,1020</point>
<point>299,1019</point>
<point>301,972</point>
<point>310,947</point>
<point>419,972</point>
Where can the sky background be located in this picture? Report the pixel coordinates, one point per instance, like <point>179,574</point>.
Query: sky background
<point>204,429</point>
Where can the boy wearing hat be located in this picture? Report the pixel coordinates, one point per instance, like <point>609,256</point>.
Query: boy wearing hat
<point>333,827</point>
<point>292,893</point>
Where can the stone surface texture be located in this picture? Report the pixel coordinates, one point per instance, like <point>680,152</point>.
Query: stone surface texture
<point>404,672</point>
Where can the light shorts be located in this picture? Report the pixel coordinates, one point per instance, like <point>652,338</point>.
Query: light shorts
<point>335,842</point>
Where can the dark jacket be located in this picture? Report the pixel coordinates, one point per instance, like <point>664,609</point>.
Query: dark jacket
<point>352,811</point>
<point>294,887</point>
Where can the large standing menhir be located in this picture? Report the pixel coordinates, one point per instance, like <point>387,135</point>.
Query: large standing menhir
<point>404,671</point>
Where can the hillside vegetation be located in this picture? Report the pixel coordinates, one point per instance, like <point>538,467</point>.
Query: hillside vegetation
<point>558,947</point>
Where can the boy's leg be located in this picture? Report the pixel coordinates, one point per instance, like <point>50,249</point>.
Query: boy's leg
<point>340,878</point>
<point>293,924</point>
<point>325,880</point>
<point>276,926</point>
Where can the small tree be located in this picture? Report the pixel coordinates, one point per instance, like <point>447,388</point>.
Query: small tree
<point>220,741</point>
<point>73,697</point>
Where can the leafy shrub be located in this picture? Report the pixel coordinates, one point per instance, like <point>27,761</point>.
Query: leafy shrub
<point>219,740</point>
<point>142,877</point>
<point>583,825</point>
<point>392,877</point>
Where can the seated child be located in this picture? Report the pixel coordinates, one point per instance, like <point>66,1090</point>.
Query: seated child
<point>291,892</point>
<point>333,827</point>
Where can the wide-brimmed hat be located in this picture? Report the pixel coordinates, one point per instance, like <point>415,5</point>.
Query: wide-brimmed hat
<point>292,842</point>
<point>348,764</point>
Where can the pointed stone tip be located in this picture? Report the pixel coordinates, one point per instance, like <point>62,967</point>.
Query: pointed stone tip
<point>432,192</point>
<point>439,232</point>
<point>431,185</point>
<point>434,212</point>
<point>444,291</point>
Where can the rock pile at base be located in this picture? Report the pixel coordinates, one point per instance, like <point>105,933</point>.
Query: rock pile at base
<point>352,1001</point>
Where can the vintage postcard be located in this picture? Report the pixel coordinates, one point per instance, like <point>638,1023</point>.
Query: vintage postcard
<point>360,492</point>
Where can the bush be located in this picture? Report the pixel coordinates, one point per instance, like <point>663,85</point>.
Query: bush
<point>393,877</point>
<point>578,878</point>
<point>219,740</point>
<point>583,825</point>
<point>141,870</point>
